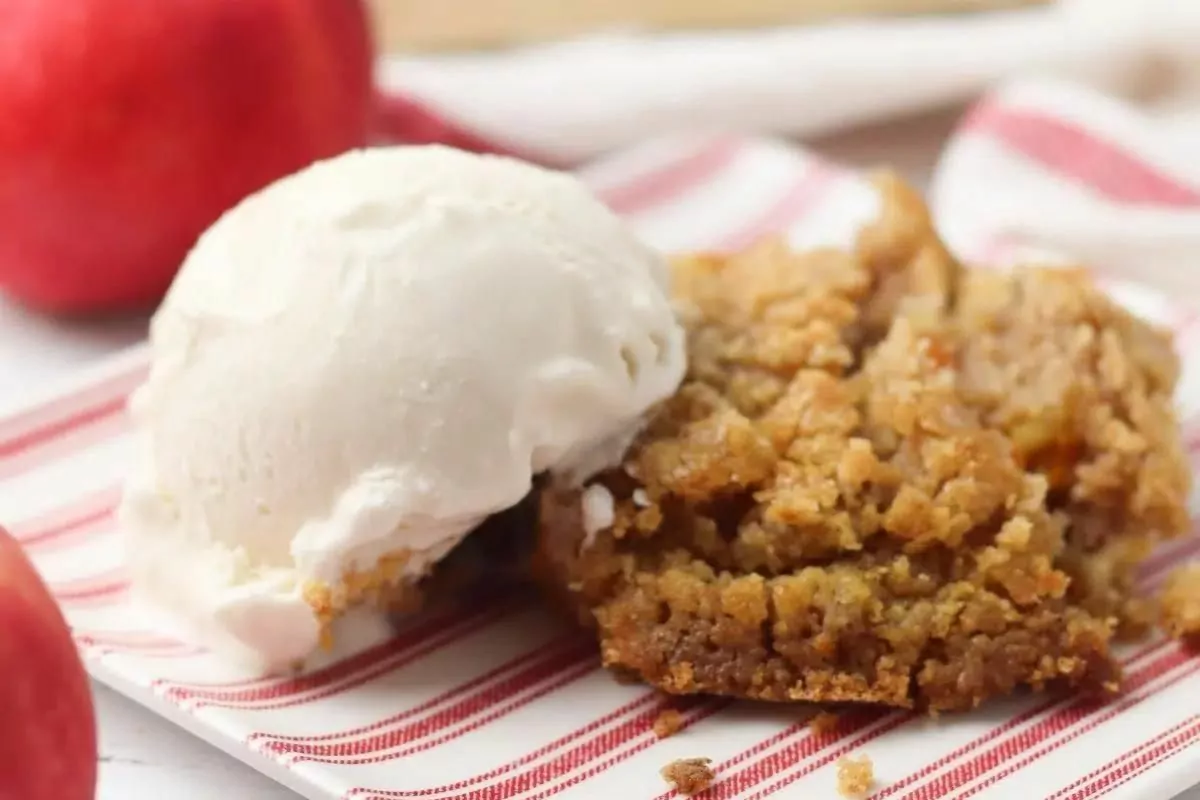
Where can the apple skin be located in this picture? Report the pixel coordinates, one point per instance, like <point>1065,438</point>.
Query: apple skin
<point>127,128</point>
<point>48,736</point>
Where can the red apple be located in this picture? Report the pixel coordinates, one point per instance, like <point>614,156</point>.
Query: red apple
<point>127,128</point>
<point>48,727</point>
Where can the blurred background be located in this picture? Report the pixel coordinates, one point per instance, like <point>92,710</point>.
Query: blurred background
<point>406,25</point>
<point>129,126</point>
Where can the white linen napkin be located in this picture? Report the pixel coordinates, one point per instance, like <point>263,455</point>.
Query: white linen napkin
<point>571,101</point>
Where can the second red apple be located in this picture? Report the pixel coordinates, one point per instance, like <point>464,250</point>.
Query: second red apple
<point>48,731</point>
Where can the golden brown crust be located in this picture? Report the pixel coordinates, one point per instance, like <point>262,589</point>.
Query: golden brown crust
<point>884,479</point>
<point>1083,391</point>
<point>1179,604</point>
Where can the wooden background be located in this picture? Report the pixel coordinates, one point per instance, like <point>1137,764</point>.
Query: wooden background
<point>416,25</point>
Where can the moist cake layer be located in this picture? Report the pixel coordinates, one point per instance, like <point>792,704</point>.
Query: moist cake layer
<point>885,479</point>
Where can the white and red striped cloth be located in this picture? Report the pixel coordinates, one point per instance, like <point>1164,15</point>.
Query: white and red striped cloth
<point>498,701</point>
<point>578,99</point>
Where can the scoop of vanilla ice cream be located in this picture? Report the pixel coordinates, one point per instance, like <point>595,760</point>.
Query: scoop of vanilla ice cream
<point>358,364</point>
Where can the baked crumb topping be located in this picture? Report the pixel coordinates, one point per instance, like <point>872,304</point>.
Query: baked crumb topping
<point>885,478</point>
<point>689,776</point>
<point>855,776</point>
<point>668,723</point>
<point>1179,603</point>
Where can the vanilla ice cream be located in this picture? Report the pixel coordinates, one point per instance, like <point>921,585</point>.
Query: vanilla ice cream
<point>358,364</point>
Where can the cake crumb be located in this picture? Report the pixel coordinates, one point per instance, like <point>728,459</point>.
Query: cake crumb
<point>689,775</point>
<point>668,723</point>
<point>1179,604</point>
<point>856,776</point>
<point>823,722</point>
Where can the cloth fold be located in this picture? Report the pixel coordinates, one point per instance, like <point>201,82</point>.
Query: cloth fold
<point>568,102</point>
<point>1040,170</point>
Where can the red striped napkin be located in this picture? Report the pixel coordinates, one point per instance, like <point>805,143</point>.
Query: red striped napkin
<point>577,99</point>
<point>500,702</point>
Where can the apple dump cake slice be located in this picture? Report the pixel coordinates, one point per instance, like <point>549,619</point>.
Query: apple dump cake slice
<point>885,479</point>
